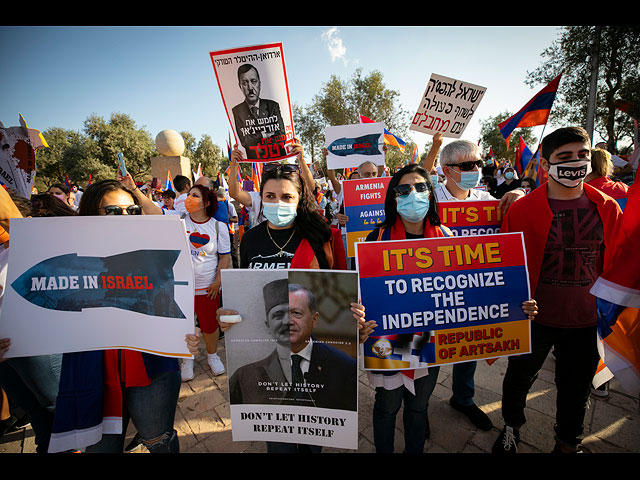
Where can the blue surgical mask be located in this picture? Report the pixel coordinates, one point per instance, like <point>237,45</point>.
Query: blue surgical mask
<point>469,180</point>
<point>434,179</point>
<point>508,175</point>
<point>413,207</point>
<point>279,214</point>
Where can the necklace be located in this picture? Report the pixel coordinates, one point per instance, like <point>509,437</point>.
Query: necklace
<point>281,248</point>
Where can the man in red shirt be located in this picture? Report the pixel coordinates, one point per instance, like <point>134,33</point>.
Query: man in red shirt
<point>569,231</point>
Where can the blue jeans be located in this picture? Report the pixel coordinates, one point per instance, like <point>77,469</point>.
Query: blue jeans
<point>152,410</point>
<point>463,385</point>
<point>415,421</point>
<point>32,384</point>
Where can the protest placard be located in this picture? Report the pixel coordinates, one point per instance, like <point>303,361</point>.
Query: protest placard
<point>348,146</point>
<point>18,157</point>
<point>286,313</point>
<point>444,300</point>
<point>446,106</point>
<point>364,205</point>
<point>92,283</point>
<point>255,93</point>
<point>481,217</point>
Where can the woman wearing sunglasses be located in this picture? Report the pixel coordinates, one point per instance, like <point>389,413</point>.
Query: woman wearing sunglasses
<point>144,386</point>
<point>411,212</point>
<point>210,253</point>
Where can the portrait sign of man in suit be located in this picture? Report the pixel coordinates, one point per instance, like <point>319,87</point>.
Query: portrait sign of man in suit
<point>258,121</point>
<point>300,371</point>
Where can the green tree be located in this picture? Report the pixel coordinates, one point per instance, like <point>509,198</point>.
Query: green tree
<point>339,102</point>
<point>209,156</point>
<point>120,134</point>
<point>618,56</point>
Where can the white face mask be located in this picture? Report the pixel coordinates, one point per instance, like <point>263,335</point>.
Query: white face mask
<point>570,173</point>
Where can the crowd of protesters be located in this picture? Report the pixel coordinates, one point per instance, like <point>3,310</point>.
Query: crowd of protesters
<point>295,216</point>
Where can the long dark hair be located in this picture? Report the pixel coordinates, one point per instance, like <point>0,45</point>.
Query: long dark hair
<point>91,198</point>
<point>390,207</point>
<point>208,195</point>
<point>46,205</point>
<point>309,224</point>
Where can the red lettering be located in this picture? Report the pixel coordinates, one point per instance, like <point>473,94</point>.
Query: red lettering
<point>129,283</point>
<point>138,281</point>
<point>442,339</point>
<point>147,285</point>
<point>119,282</point>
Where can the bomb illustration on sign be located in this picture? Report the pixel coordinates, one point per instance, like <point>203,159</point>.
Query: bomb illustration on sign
<point>140,281</point>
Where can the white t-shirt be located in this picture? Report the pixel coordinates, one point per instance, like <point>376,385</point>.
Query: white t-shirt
<point>254,211</point>
<point>207,240</point>
<point>178,204</point>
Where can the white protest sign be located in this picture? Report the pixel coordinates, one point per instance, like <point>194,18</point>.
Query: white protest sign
<point>446,106</point>
<point>93,283</point>
<point>255,92</point>
<point>348,146</point>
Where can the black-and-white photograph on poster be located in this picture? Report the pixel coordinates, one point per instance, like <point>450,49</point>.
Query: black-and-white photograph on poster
<point>255,94</point>
<point>292,358</point>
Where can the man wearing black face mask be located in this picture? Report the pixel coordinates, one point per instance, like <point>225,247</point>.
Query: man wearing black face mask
<point>568,229</point>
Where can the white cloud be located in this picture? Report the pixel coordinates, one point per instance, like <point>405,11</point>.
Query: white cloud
<point>334,44</point>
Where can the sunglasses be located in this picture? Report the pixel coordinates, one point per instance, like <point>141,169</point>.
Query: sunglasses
<point>405,189</point>
<point>467,166</point>
<point>117,210</point>
<point>275,166</point>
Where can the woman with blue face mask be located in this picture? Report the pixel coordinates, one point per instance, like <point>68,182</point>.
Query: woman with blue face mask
<point>293,229</point>
<point>511,182</point>
<point>411,212</point>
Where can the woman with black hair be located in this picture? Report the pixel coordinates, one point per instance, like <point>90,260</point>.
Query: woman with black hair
<point>411,212</point>
<point>61,191</point>
<point>141,387</point>
<point>294,234</point>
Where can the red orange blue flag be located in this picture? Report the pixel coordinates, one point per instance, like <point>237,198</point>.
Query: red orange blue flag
<point>535,112</point>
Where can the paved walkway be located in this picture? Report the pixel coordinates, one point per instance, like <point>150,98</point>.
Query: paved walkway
<point>202,421</point>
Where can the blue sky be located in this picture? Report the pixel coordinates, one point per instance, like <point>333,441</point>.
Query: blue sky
<point>163,78</point>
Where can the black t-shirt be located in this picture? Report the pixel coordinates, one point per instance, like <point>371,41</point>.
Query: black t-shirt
<point>504,188</point>
<point>258,250</point>
<point>572,262</point>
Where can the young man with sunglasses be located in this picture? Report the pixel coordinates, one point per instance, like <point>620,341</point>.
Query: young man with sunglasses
<point>569,229</point>
<point>461,164</point>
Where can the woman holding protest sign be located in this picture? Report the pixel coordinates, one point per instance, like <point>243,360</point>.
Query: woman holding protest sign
<point>411,212</point>
<point>99,387</point>
<point>294,235</point>
<point>210,253</point>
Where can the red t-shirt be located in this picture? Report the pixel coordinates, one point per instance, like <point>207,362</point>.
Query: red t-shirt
<point>572,262</point>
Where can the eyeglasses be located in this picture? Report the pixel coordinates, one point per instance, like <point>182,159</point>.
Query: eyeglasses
<point>467,166</point>
<point>405,189</point>
<point>117,210</point>
<point>274,166</point>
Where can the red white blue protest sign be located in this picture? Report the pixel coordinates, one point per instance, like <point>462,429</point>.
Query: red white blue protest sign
<point>364,206</point>
<point>444,300</point>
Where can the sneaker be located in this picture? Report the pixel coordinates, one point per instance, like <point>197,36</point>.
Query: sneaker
<point>134,444</point>
<point>473,413</point>
<point>563,447</point>
<point>186,369</point>
<point>601,391</point>
<point>508,441</point>
<point>215,363</point>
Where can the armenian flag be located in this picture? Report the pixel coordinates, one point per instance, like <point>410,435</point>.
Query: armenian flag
<point>256,175</point>
<point>169,181</point>
<point>523,157</point>
<point>617,293</point>
<point>535,112</point>
<point>389,138</point>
